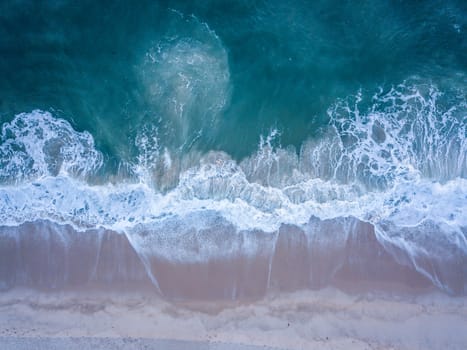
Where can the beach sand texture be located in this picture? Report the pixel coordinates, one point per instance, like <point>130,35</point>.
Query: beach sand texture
<point>327,319</point>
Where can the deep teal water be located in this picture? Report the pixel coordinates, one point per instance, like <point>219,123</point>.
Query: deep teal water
<point>287,62</point>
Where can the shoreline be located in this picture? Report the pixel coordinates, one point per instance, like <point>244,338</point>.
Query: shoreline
<point>345,253</point>
<point>326,319</point>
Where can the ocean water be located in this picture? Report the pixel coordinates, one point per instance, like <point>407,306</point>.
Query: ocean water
<point>211,131</point>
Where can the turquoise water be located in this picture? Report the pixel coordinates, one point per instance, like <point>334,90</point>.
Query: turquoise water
<point>287,63</point>
<point>172,116</point>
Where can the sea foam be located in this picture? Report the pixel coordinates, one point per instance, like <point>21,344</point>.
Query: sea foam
<point>395,161</point>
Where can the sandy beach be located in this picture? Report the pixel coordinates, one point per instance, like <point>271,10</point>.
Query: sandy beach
<point>117,343</point>
<point>233,175</point>
<point>327,319</point>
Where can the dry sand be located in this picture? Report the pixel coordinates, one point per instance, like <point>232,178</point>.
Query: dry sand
<point>328,319</point>
<point>25,343</point>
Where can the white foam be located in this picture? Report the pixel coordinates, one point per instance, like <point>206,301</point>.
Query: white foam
<point>345,173</point>
<point>37,144</point>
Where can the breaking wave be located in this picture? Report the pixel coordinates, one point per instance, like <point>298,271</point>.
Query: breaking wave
<point>395,160</point>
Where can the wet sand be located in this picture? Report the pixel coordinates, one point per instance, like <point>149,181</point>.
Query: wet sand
<point>93,290</point>
<point>326,319</point>
<point>343,253</point>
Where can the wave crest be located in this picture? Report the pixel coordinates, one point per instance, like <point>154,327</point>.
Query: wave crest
<point>37,144</point>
